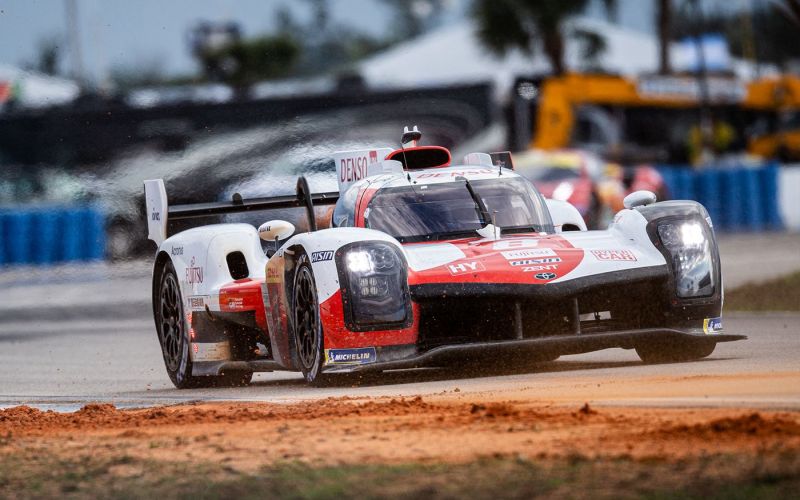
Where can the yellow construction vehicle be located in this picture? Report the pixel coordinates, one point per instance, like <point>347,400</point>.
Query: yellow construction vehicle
<point>657,118</point>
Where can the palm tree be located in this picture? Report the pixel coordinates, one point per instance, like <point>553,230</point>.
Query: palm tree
<point>508,24</point>
<point>664,21</point>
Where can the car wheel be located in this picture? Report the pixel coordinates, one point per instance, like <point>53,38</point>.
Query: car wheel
<point>173,335</point>
<point>307,326</point>
<point>675,352</point>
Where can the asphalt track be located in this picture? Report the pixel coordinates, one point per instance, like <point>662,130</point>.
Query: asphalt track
<point>78,335</point>
<point>64,364</point>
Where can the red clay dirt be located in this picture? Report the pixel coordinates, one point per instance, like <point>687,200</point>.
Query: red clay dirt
<point>246,436</point>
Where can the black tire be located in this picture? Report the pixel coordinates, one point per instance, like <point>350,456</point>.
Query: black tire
<point>675,352</point>
<point>308,341</point>
<point>173,337</point>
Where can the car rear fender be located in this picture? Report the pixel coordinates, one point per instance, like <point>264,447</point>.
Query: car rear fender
<point>208,257</point>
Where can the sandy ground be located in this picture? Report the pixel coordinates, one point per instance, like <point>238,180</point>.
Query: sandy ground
<point>441,429</point>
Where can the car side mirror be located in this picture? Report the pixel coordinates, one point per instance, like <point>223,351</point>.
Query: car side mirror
<point>274,231</point>
<point>639,199</point>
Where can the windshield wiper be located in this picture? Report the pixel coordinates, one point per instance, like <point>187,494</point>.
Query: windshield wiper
<point>487,219</point>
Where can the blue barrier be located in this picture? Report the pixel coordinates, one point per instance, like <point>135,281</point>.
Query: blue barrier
<point>46,235</point>
<point>18,232</point>
<point>2,239</point>
<point>742,198</point>
<point>769,199</point>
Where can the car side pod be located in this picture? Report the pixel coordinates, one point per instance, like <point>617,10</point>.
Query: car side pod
<point>639,199</point>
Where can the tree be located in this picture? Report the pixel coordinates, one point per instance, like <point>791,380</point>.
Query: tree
<point>508,24</point>
<point>664,22</point>
<point>246,61</point>
<point>48,57</point>
<point>771,34</point>
<point>413,17</point>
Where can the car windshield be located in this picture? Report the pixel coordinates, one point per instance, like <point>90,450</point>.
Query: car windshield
<point>439,211</point>
<point>550,174</point>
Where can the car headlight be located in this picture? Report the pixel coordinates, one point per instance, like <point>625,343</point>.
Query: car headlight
<point>688,243</point>
<point>374,286</point>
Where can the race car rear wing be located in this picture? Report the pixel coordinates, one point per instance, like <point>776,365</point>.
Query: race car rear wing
<point>159,213</point>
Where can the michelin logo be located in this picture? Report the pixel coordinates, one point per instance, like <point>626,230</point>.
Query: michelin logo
<point>712,325</point>
<point>361,356</point>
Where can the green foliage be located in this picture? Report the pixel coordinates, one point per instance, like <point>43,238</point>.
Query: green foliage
<point>520,24</point>
<point>250,60</point>
<point>767,33</point>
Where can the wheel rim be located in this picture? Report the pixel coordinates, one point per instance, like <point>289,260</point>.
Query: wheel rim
<point>171,322</point>
<point>306,318</point>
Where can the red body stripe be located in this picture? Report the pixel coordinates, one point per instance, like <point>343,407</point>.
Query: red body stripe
<point>337,335</point>
<point>243,296</point>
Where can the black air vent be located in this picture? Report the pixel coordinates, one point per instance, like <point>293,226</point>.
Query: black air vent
<point>237,265</point>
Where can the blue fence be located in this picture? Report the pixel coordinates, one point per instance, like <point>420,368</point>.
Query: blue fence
<point>46,235</point>
<point>737,199</point>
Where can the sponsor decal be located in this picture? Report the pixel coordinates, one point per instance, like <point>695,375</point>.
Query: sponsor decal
<point>359,356</point>
<point>546,276</point>
<point>625,255</point>
<point>321,256</point>
<point>194,274</point>
<point>459,173</point>
<point>466,267</point>
<point>197,302</point>
<point>515,244</point>
<point>273,275</point>
<point>529,262</point>
<point>211,351</point>
<point>529,253</point>
<point>712,325</point>
<point>355,169</point>
<point>235,303</point>
<point>155,215</point>
<point>536,269</point>
<point>177,251</point>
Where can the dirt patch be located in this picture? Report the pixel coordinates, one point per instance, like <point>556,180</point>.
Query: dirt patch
<point>384,430</point>
<point>752,425</point>
<point>393,439</point>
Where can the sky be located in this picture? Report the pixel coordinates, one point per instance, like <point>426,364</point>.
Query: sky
<point>140,33</point>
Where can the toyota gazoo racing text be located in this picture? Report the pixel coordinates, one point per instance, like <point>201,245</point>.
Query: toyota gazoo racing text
<point>424,262</point>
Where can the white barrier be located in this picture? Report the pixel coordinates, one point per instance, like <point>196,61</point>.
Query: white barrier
<point>789,196</point>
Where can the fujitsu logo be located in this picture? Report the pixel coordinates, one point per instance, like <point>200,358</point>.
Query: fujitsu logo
<point>194,274</point>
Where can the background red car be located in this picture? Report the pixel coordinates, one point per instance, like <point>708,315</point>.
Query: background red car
<point>596,188</point>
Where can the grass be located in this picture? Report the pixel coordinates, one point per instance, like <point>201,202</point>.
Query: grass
<point>781,294</point>
<point>40,476</point>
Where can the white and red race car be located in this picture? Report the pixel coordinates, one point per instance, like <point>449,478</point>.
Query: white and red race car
<point>427,263</point>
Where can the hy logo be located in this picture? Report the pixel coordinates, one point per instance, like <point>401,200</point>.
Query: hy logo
<point>466,267</point>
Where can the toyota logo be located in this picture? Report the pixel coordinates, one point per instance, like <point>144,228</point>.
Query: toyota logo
<point>545,276</point>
